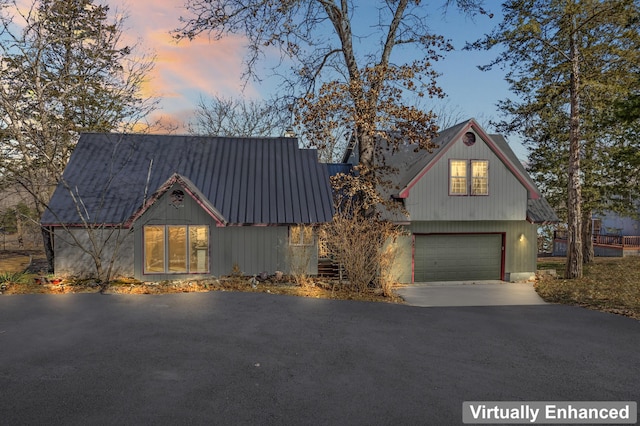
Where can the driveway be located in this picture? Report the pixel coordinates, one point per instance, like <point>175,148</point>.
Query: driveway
<point>252,358</point>
<point>470,293</point>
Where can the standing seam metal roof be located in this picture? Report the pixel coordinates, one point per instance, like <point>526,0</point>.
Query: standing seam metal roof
<point>248,180</point>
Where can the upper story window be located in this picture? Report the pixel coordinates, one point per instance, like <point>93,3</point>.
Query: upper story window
<point>301,235</point>
<point>458,177</point>
<point>479,177</point>
<point>468,177</point>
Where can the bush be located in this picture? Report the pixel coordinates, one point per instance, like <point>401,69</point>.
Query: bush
<point>364,246</point>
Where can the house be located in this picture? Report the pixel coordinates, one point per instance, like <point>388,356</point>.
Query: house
<point>172,207</point>
<point>470,209</point>
<point>613,236</point>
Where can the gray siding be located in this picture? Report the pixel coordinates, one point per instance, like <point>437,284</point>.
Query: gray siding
<point>520,256</point>
<point>72,259</point>
<point>429,199</point>
<point>254,249</point>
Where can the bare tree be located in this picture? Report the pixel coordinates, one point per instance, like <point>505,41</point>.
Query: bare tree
<point>65,70</point>
<point>340,81</point>
<point>220,116</point>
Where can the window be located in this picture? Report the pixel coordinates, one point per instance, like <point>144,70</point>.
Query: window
<point>459,184</point>
<point>174,249</point>
<point>458,177</point>
<point>154,249</point>
<point>301,235</point>
<point>479,177</point>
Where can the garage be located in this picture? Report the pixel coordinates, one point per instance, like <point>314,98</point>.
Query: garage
<point>458,257</point>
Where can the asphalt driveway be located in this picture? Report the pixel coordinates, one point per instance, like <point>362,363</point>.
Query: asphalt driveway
<point>252,358</point>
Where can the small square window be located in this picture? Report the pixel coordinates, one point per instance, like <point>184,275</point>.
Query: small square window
<point>301,235</point>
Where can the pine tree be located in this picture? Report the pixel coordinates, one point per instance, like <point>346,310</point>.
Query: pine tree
<point>568,60</point>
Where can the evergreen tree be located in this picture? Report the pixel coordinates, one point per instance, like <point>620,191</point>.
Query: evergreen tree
<point>568,61</point>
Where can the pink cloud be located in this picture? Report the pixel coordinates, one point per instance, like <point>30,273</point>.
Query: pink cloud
<point>186,70</point>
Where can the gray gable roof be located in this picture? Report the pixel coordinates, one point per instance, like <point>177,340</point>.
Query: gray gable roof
<point>410,164</point>
<point>243,180</point>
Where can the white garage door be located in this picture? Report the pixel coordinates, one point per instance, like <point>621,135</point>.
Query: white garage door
<point>447,257</point>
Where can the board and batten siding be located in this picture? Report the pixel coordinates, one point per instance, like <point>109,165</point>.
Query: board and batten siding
<point>520,244</point>
<point>254,249</point>
<point>429,198</point>
<point>72,260</point>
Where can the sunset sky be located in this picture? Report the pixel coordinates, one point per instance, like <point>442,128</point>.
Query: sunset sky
<point>191,69</point>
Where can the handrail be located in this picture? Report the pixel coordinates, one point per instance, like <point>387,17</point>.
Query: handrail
<point>608,240</point>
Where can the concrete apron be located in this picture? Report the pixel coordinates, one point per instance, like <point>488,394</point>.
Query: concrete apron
<point>469,293</point>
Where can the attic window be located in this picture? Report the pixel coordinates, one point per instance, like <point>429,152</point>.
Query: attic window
<point>469,138</point>
<point>176,199</point>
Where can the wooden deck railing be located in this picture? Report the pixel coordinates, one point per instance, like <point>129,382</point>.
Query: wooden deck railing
<point>607,240</point>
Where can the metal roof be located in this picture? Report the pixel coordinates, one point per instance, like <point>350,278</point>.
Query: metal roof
<point>247,180</point>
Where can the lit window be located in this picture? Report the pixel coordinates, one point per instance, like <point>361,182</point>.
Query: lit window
<point>301,235</point>
<point>479,177</point>
<point>175,249</point>
<point>154,249</point>
<point>458,177</point>
<point>199,248</point>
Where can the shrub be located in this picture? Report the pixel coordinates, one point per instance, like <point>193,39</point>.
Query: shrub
<point>364,246</point>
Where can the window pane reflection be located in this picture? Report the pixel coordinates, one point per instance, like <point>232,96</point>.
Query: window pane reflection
<point>199,243</point>
<point>177,248</point>
<point>154,248</point>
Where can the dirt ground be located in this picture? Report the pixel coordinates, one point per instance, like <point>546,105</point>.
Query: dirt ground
<point>16,261</point>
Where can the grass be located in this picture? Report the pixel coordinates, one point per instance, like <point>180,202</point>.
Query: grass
<point>608,285</point>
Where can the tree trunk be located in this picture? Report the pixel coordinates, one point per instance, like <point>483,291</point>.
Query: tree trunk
<point>574,192</point>
<point>47,239</point>
<point>587,237</point>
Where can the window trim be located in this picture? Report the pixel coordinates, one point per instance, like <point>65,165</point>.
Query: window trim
<point>166,254</point>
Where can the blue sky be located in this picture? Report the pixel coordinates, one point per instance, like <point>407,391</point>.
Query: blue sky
<point>188,70</point>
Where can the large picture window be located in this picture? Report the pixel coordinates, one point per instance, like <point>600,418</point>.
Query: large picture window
<point>174,249</point>
<point>461,170</point>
